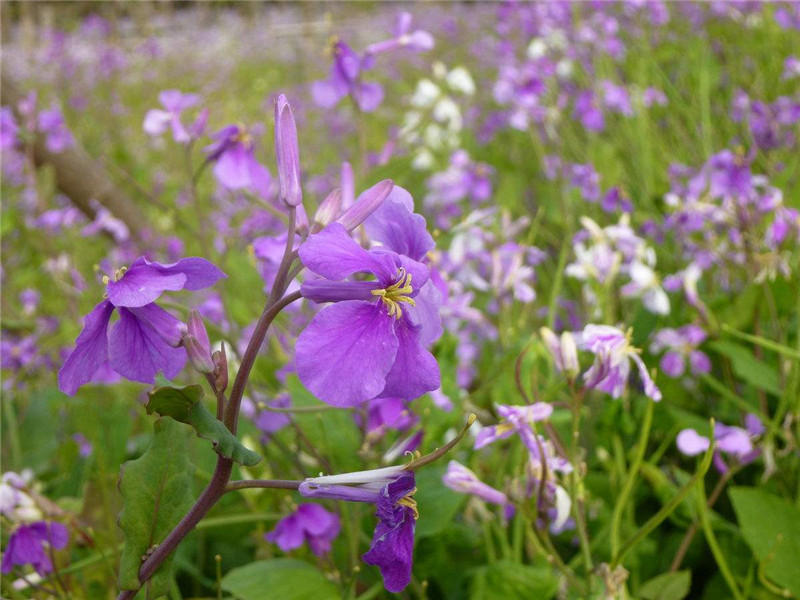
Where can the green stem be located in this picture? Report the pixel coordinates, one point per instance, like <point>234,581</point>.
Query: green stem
<point>666,510</point>
<point>630,481</point>
<point>719,556</point>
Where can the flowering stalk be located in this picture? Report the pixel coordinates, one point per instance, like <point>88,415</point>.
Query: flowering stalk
<point>222,472</point>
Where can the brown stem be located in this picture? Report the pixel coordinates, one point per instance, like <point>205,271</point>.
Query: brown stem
<point>271,309</point>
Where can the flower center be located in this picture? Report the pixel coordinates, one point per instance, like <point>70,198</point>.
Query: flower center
<point>397,293</point>
<point>243,137</point>
<point>409,502</point>
<point>117,275</point>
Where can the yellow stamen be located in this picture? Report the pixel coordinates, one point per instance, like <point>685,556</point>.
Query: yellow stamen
<point>396,293</point>
<point>408,501</point>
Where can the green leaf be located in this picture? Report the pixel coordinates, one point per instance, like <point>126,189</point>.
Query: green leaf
<point>771,527</point>
<point>284,578</point>
<point>437,504</point>
<point>156,491</point>
<point>755,372</point>
<point>184,405</point>
<point>667,586</point>
<point>506,579</point>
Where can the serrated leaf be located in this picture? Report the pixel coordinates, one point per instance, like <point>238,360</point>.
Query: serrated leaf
<point>185,405</point>
<point>505,579</point>
<point>156,492</point>
<point>284,578</point>
<point>667,586</point>
<point>771,527</point>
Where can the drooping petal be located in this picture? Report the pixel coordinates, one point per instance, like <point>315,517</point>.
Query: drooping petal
<point>393,541</point>
<point>91,350</point>
<point>333,254</point>
<point>345,353</point>
<point>415,370</point>
<point>397,227</point>
<point>137,351</point>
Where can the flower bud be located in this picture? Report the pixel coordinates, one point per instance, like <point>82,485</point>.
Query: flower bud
<point>564,351</point>
<point>287,153</point>
<point>197,345</point>
<point>366,204</point>
<point>220,369</point>
<point>328,209</point>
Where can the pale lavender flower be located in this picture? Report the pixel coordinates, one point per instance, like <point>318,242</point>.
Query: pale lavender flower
<point>681,345</point>
<point>157,121</point>
<point>460,479</point>
<point>613,355</point>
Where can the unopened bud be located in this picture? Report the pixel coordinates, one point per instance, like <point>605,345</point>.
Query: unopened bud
<point>197,345</point>
<point>563,350</point>
<point>220,369</point>
<point>328,209</point>
<point>287,153</point>
<point>366,204</point>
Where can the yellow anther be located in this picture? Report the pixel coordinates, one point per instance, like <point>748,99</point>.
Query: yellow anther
<point>398,292</point>
<point>106,279</point>
<point>409,502</point>
<point>119,273</point>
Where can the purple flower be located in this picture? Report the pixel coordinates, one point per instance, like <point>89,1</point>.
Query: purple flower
<point>516,419</point>
<point>157,121</point>
<point>345,79</point>
<point>389,413</point>
<point>735,441</point>
<point>26,546</point>
<point>8,128</point>
<point>588,113</point>
<point>617,98</point>
<point>418,40</point>
<point>682,345</point>
<point>611,367</point>
<point>85,447</point>
<point>236,165</point>
<point>372,341</point>
<point>461,479</point>
<point>391,490</point>
<point>57,136</point>
<point>145,340</point>
<point>309,523</point>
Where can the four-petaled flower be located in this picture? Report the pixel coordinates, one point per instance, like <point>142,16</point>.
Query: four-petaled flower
<point>145,340</point>
<point>345,79</point>
<point>372,341</point>
<point>613,353</point>
<point>26,546</point>
<point>392,490</point>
